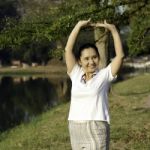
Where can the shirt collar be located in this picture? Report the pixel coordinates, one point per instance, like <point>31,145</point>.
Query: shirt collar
<point>83,79</point>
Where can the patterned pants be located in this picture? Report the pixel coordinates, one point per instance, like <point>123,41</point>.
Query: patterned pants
<point>89,135</point>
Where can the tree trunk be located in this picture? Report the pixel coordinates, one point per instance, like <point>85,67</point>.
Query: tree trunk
<point>101,40</point>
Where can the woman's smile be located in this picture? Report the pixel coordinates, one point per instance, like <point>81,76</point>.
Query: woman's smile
<point>89,60</point>
<point>94,67</point>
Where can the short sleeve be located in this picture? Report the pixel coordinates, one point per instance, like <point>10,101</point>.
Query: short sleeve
<point>110,76</point>
<point>74,72</point>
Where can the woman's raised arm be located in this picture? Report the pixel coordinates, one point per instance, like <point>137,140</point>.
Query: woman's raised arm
<point>117,61</point>
<point>69,56</point>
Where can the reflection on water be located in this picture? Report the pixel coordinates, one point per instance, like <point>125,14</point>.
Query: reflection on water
<point>22,98</point>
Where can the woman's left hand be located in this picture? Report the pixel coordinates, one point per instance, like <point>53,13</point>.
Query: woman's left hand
<point>106,25</point>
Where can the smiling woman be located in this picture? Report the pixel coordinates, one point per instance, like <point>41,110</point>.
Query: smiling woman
<point>89,59</point>
<point>89,115</point>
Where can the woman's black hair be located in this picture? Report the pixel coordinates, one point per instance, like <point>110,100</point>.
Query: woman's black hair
<point>85,46</point>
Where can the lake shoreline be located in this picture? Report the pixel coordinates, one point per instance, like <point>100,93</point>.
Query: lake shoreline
<point>57,69</point>
<point>50,70</point>
<point>128,100</point>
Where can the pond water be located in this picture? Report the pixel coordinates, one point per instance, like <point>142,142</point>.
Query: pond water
<point>23,98</point>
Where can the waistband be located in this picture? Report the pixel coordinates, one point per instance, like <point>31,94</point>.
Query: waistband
<point>87,121</point>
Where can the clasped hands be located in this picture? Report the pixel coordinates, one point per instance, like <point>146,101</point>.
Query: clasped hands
<point>88,22</point>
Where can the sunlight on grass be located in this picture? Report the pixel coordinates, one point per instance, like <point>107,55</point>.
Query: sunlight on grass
<point>130,126</point>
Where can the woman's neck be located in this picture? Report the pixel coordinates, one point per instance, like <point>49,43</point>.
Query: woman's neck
<point>88,76</point>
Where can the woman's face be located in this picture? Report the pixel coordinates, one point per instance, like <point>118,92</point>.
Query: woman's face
<point>89,60</point>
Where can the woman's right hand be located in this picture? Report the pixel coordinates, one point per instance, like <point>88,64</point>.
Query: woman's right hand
<point>83,23</point>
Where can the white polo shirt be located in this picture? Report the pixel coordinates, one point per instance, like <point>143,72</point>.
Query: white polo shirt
<point>89,101</point>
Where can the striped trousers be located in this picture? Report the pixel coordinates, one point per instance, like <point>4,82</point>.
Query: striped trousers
<point>89,135</point>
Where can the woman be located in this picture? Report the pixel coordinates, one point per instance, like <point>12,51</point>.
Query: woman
<point>89,116</point>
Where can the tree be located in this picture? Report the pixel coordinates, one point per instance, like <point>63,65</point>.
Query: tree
<point>7,9</point>
<point>42,22</point>
<point>21,35</point>
<point>134,14</point>
<point>139,36</point>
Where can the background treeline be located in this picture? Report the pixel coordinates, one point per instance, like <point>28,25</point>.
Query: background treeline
<point>36,30</point>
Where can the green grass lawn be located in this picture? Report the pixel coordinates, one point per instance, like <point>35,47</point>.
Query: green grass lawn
<point>130,122</point>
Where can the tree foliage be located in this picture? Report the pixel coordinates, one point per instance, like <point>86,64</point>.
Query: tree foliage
<point>135,14</point>
<point>139,37</point>
<point>35,25</point>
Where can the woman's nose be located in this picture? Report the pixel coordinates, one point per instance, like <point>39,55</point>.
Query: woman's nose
<point>91,61</point>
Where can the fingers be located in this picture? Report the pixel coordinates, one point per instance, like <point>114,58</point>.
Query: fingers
<point>92,24</point>
<point>89,20</point>
<point>105,22</point>
<point>83,23</point>
<point>98,24</point>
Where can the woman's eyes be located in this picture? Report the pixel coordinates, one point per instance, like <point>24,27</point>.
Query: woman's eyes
<point>87,58</point>
<point>94,57</point>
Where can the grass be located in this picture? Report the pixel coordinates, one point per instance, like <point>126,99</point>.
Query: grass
<point>130,125</point>
<point>130,113</point>
<point>48,131</point>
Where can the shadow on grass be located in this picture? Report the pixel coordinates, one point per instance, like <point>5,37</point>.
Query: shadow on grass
<point>142,109</point>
